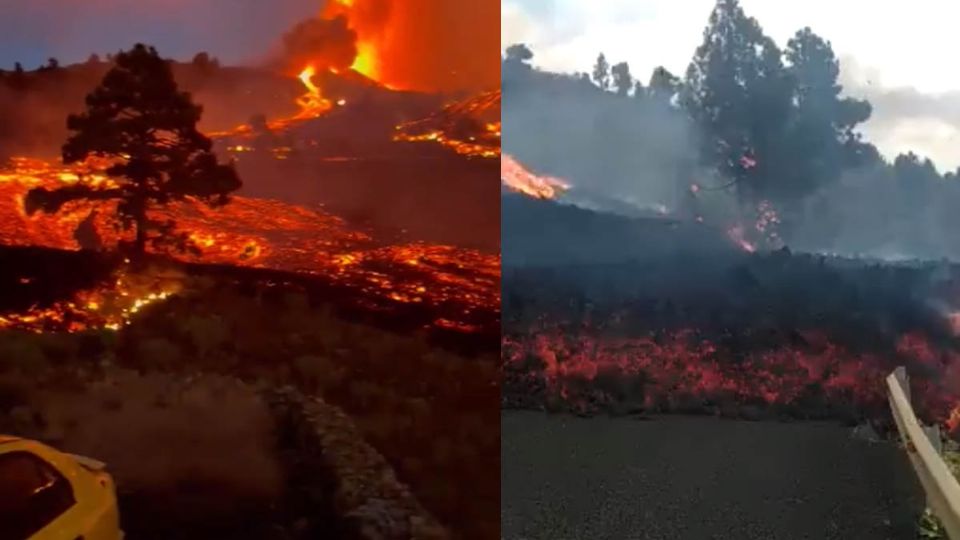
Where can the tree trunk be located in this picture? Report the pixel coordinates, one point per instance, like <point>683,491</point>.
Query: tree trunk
<point>140,245</point>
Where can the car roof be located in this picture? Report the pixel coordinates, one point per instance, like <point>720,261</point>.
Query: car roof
<point>9,439</point>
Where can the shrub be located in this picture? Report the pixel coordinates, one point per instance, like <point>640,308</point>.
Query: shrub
<point>157,353</point>
<point>318,373</point>
<point>21,352</point>
<point>206,333</point>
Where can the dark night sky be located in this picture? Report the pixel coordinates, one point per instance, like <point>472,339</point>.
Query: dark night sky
<point>236,31</point>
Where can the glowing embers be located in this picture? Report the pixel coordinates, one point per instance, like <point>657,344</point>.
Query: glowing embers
<point>590,368</point>
<point>764,233</point>
<point>258,233</point>
<point>109,306</point>
<point>518,178</point>
<point>470,127</point>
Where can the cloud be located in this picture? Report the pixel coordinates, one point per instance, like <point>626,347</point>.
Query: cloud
<point>234,30</point>
<point>904,118</point>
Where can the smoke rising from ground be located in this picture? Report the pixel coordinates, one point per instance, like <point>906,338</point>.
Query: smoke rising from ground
<point>622,153</point>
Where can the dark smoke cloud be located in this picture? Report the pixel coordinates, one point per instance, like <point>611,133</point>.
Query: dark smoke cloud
<point>236,31</point>
<point>325,43</point>
<point>430,45</point>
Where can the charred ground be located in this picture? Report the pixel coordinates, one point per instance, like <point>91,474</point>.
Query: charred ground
<point>665,325</point>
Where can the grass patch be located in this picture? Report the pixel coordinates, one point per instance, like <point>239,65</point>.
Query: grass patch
<point>432,413</point>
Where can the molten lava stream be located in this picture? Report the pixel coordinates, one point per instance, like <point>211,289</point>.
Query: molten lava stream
<point>266,234</point>
<point>447,127</point>
<point>589,370</point>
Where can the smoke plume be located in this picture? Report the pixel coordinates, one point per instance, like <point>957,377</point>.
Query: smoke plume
<point>424,45</point>
<point>323,43</point>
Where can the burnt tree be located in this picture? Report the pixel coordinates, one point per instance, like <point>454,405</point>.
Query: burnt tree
<point>141,122</point>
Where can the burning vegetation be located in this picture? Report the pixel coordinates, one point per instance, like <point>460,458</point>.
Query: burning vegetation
<point>294,238</point>
<point>754,335</point>
<point>518,178</point>
<point>177,268</point>
<point>470,127</point>
<point>699,280</point>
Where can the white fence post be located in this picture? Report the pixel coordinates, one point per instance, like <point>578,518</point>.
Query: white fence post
<point>939,484</point>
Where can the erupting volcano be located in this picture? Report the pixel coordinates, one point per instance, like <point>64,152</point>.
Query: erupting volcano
<point>347,48</point>
<point>421,45</point>
<point>317,229</point>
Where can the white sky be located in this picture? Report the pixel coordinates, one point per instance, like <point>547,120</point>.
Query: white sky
<point>890,52</point>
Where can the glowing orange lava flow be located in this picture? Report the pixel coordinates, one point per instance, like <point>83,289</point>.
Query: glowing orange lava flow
<point>267,234</point>
<point>470,127</point>
<point>312,104</point>
<point>517,178</point>
<point>670,367</point>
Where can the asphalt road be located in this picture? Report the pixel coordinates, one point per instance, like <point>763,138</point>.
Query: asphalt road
<point>700,478</point>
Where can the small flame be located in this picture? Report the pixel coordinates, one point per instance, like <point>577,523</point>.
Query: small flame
<point>738,235</point>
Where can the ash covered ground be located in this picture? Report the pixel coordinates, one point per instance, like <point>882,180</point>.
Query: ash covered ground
<point>666,317</point>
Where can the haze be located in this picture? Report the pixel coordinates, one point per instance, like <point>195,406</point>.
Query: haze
<point>884,51</point>
<point>236,31</point>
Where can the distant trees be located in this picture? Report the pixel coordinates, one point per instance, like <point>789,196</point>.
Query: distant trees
<point>51,65</point>
<point>622,80</point>
<point>663,85</point>
<point>204,62</point>
<point>140,120</point>
<point>601,72</point>
<point>773,124</point>
<point>19,78</point>
<point>519,52</point>
<point>772,121</point>
<point>821,131</point>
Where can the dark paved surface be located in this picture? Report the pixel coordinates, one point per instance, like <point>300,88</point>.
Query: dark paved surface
<point>700,478</point>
